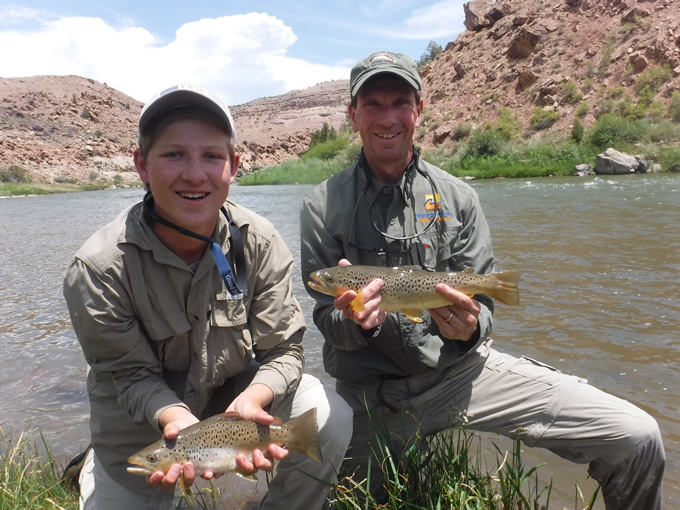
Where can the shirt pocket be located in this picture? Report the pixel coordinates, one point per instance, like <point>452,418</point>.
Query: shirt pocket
<point>230,347</point>
<point>167,331</point>
<point>438,247</point>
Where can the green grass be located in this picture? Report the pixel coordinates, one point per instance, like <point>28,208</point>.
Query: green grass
<point>498,151</point>
<point>441,472</point>
<point>15,189</point>
<point>30,477</point>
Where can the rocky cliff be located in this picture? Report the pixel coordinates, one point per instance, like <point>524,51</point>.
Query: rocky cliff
<point>569,57</point>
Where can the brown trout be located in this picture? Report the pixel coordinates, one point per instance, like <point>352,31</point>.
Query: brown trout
<point>213,444</point>
<point>410,289</point>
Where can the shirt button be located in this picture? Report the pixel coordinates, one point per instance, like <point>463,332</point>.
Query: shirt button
<point>194,319</point>
<point>221,381</point>
<point>192,392</point>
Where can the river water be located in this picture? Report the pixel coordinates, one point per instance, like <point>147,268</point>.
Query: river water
<point>600,294</point>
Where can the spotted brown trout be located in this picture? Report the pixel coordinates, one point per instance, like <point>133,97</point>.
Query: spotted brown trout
<point>213,444</point>
<point>410,289</point>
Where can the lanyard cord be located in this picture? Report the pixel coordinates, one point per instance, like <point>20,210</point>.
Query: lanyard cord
<point>427,228</point>
<point>236,286</point>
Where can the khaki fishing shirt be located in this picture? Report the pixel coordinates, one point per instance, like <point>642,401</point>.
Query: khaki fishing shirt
<point>156,333</point>
<point>342,218</point>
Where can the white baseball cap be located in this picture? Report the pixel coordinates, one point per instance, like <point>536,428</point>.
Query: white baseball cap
<point>185,94</point>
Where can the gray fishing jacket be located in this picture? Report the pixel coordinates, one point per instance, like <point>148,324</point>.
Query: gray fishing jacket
<point>157,334</point>
<point>341,218</point>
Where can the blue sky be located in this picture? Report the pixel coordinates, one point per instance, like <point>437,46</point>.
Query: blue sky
<point>241,49</point>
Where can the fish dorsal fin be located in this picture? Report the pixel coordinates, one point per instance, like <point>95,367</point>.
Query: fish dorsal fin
<point>410,269</point>
<point>232,415</point>
<point>469,270</point>
<point>277,421</point>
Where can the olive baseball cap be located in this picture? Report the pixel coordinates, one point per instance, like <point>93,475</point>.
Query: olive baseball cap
<point>185,94</point>
<point>398,64</point>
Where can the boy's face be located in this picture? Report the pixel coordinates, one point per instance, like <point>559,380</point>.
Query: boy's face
<point>189,169</point>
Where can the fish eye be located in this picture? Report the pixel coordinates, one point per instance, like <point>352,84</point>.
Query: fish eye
<point>152,457</point>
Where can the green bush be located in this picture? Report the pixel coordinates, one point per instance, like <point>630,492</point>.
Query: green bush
<point>327,149</point>
<point>582,109</point>
<point>461,130</point>
<point>613,130</point>
<point>323,135</point>
<point>674,107</point>
<point>433,49</point>
<point>654,78</point>
<point>508,124</point>
<point>486,142</point>
<point>570,92</point>
<point>577,131</point>
<point>543,119</point>
<point>15,173</point>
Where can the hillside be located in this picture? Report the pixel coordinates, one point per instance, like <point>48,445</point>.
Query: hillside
<point>575,58</point>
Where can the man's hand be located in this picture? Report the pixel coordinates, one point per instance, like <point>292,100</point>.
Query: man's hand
<point>457,321</point>
<point>371,316</point>
<point>250,405</point>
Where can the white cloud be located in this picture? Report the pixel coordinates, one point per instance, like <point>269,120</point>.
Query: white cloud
<point>442,19</point>
<point>242,57</point>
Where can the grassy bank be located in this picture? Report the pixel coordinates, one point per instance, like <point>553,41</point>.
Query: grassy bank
<point>18,189</point>
<point>500,150</point>
<point>444,472</point>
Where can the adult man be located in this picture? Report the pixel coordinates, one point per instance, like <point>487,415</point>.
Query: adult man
<point>172,335</point>
<point>390,209</point>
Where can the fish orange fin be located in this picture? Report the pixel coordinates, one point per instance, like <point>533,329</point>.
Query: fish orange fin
<point>357,303</point>
<point>232,414</point>
<point>414,314</point>
<point>277,421</point>
<point>505,289</point>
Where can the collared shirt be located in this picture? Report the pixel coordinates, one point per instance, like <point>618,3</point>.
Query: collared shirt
<point>342,218</point>
<point>156,333</point>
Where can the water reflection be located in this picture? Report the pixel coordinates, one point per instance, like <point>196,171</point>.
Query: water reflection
<point>600,261</point>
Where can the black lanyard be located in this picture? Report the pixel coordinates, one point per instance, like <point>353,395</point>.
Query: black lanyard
<point>235,285</point>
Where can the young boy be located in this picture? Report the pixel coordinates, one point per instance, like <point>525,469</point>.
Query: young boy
<point>175,331</point>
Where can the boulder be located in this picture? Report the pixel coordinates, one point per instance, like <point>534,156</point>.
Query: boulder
<point>584,170</point>
<point>475,14</point>
<point>523,44</point>
<point>613,162</point>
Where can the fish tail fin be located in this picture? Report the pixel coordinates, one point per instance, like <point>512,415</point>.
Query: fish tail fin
<point>305,436</point>
<point>505,289</point>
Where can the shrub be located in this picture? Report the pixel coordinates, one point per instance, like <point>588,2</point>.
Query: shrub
<point>433,49</point>
<point>326,149</point>
<point>15,173</point>
<point>582,110</point>
<point>612,130</point>
<point>322,135</point>
<point>570,92</point>
<point>543,119</point>
<point>654,78</point>
<point>674,107</point>
<point>508,124</point>
<point>461,130</point>
<point>577,131</point>
<point>486,142</point>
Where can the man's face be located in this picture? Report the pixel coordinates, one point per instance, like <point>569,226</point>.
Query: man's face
<point>386,116</point>
<point>189,169</point>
